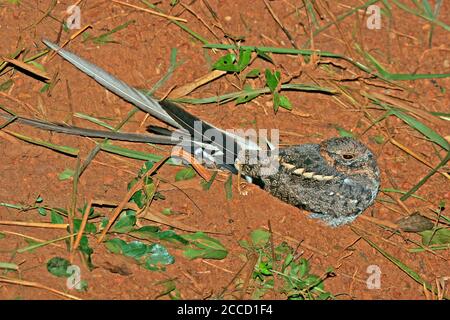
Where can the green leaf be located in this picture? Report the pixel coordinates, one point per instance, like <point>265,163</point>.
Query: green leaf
<point>432,237</point>
<point>260,238</point>
<point>422,128</point>
<point>285,103</point>
<point>185,174</point>
<point>378,139</point>
<point>158,255</point>
<point>251,94</point>
<point>276,101</point>
<point>89,228</point>
<point>244,59</point>
<point>135,249</point>
<point>66,174</point>
<point>55,217</point>
<point>6,85</point>
<point>2,236</point>
<point>87,251</point>
<point>254,73</point>
<point>9,266</point>
<point>207,185</point>
<point>58,267</point>
<point>225,63</point>
<point>304,268</point>
<point>125,223</point>
<point>203,246</point>
<point>344,133</point>
<point>272,79</point>
<point>115,245</point>
<point>152,233</point>
<point>228,187</point>
<point>263,55</point>
<point>42,211</point>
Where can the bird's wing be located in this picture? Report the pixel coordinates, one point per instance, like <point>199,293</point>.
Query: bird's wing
<point>229,144</point>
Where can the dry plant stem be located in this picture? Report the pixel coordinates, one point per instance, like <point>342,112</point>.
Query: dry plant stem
<point>188,8</point>
<point>188,88</point>
<point>82,226</point>
<point>129,194</point>
<point>275,17</point>
<point>37,285</point>
<point>76,34</point>
<point>418,157</point>
<point>150,11</point>
<point>27,67</point>
<point>31,238</point>
<point>35,224</point>
<point>252,263</point>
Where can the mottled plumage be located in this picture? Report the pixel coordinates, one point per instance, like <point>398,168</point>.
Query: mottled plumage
<point>336,180</point>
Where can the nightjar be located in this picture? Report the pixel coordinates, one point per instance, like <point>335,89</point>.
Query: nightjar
<point>336,180</point>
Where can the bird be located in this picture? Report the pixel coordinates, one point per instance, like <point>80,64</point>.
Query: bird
<point>335,180</point>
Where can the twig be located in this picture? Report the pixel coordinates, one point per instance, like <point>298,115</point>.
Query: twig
<point>37,285</point>
<point>286,32</point>
<point>150,11</point>
<point>35,224</point>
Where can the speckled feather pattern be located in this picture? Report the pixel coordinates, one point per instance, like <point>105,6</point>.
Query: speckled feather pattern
<point>335,180</point>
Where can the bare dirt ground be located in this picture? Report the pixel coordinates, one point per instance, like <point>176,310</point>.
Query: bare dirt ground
<point>140,57</point>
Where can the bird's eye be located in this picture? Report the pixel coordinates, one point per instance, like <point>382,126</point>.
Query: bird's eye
<point>347,156</point>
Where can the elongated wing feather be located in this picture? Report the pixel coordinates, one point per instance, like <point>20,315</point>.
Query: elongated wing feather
<point>115,85</point>
<point>77,131</point>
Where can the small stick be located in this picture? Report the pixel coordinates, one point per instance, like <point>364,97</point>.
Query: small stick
<point>35,224</point>
<point>150,11</point>
<point>82,226</point>
<point>286,32</point>
<point>37,285</point>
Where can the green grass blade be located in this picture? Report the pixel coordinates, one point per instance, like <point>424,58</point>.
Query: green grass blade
<point>411,273</point>
<point>63,149</point>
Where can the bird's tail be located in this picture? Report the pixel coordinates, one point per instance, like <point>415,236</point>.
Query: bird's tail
<point>203,139</point>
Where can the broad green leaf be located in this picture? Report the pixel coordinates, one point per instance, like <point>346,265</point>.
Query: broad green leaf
<point>42,211</point>
<point>272,79</point>
<point>9,266</point>
<point>344,133</point>
<point>251,94</point>
<point>225,63</point>
<point>135,249</point>
<point>207,185</point>
<point>244,59</point>
<point>115,245</point>
<point>185,174</point>
<point>203,246</point>
<point>6,85</point>
<point>432,237</point>
<point>89,228</point>
<point>260,238</point>
<point>228,187</point>
<point>125,223</point>
<point>254,73</point>
<point>55,217</point>
<point>276,101</point>
<point>154,233</point>
<point>158,256</point>
<point>66,174</point>
<point>57,266</point>
<point>285,103</point>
